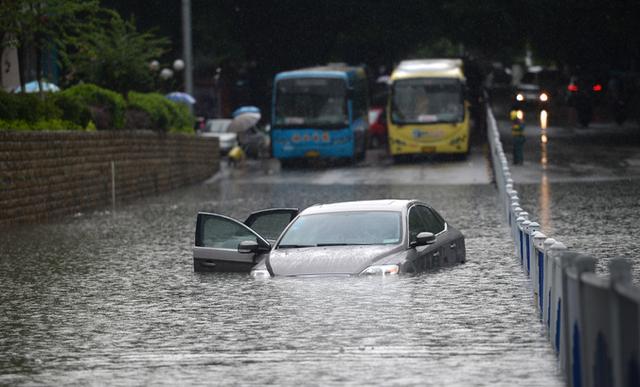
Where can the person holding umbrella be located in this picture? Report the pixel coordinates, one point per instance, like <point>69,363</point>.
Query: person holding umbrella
<point>251,142</point>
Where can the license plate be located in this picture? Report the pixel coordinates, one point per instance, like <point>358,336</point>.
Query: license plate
<point>428,149</point>
<point>312,154</point>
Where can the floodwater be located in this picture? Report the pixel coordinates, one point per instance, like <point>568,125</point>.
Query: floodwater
<point>112,299</point>
<point>583,186</point>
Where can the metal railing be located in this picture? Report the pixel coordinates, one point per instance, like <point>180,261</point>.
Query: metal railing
<point>592,322</point>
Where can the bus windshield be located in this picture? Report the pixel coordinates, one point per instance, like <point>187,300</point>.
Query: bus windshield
<point>427,100</point>
<point>317,102</point>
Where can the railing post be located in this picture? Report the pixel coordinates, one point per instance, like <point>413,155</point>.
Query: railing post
<point>525,247</point>
<point>572,336</point>
<point>549,269</point>
<point>625,319</point>
<point>555,317</point>
<point>538,272</point>
<point>532,227</point>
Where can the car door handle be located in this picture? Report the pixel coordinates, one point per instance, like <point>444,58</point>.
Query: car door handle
<point>453,245</point>
<point>436,254</point>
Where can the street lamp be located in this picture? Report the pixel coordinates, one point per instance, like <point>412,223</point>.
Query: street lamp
<point>167,72</point>
<point>178,65</point>
<point>154,65</point>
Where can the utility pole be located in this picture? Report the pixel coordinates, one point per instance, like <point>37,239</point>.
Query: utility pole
<point>186,46</point>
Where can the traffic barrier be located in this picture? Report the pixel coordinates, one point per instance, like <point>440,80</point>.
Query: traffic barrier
<point>592,322</point>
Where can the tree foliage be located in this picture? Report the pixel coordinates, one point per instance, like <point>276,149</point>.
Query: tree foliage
<point>44,25</point>
<point>115,55</point>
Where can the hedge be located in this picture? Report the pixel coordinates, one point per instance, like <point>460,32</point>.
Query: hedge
<point>87,107</point>
<point>107,107</point>
<point>160,113</point>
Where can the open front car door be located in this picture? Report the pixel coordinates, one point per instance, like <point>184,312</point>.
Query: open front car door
<point>224,244</point>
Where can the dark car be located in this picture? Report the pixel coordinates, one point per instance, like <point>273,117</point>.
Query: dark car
<point>349,238</point>
<point>586,93</point>
<point>538,88</point>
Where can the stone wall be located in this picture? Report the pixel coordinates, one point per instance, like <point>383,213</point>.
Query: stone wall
<point>44,175</point>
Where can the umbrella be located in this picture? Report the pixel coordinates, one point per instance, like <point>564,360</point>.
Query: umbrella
<point>178,96</point>
<point>243,121</point>
<point>245,109</point>
<point>32,87</point>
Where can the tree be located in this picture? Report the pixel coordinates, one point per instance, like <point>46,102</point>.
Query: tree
<point>43,25</point>
<point>115,56</point>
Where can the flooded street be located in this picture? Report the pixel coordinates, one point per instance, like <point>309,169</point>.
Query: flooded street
<point>582,185</point>
<point>112,298</point>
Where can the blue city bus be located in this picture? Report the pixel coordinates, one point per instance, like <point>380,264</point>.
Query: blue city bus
<point>320,112</point>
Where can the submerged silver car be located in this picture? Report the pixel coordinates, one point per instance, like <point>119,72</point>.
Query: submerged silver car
<point>348,238</point>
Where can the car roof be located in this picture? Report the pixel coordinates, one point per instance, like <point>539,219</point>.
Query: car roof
<point>361,205</point>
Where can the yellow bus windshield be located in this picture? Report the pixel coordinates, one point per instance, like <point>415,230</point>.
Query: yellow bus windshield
<point>427,100</point>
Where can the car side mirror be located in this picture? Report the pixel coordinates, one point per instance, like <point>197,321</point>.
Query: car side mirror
<point>248,247</point>
<point>424,238</point>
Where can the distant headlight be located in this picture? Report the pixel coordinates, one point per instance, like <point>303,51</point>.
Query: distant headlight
<point>519,97</point>
<point>260,273</point>
<point>544,97</point>
<point>381,270</point>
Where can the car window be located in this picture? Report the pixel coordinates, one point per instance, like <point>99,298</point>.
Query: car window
<point>344,228</point>
<point>224,233</point>
<point>217,125</point>
<point>433,224</point>
<point>416,224</point>
<point>270,226</point>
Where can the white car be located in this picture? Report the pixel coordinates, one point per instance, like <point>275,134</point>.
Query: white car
<point>218,128</point>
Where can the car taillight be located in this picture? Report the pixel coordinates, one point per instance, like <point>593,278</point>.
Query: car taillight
<point>597,87</point>
<point>572,87</point>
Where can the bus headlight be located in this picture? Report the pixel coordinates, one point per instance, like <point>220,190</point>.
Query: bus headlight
<point>381,270</point>
<point>544,97</point>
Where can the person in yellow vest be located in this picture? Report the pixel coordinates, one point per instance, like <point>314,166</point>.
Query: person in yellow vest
<point>517,134</point>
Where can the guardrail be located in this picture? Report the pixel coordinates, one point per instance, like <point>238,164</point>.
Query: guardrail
<point>592,322</point>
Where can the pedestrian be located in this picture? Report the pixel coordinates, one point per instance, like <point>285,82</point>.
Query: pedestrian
<point>517,134</point>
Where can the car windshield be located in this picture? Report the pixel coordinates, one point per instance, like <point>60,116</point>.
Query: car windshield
<point>427,100</point>
<point>344,228</point>
<point>217,125</point>
<point>316,102</point>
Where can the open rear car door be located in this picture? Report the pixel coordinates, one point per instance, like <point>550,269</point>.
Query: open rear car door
<point>218,239</point>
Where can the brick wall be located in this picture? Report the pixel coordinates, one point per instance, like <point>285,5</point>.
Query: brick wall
<point>44,175</point>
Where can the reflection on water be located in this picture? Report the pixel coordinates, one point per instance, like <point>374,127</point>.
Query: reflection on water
<point>113,299</point>
<point>543,119</point>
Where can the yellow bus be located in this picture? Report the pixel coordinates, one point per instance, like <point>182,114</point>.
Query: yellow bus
<point>427,109</point>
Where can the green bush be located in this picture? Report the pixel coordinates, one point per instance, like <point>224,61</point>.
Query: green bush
<point>181,120</point>
<point>152,104</point>
<point>107,107</point>
<point>161,113</point>
<point>55,124</point>
<point>72,108</point>
<point>27,106</point>
<point>87,107</point>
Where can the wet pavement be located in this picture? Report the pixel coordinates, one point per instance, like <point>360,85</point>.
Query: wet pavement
<point>111,298</point>
<point>582,185</point>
